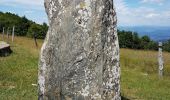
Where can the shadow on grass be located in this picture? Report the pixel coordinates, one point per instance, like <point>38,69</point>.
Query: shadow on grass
<point>124,98</point>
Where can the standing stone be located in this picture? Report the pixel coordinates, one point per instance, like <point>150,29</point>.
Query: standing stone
<point>160,60</point>
<point>80,56</point>
<point>13,33</point>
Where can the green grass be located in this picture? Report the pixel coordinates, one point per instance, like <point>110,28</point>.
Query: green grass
<point>139,78</point>
<point>19,71</point>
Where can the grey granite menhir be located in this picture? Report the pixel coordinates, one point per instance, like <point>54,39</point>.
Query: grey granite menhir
<point>80,56</point>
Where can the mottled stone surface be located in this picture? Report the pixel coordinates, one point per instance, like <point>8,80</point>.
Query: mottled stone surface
<point>80,56</point>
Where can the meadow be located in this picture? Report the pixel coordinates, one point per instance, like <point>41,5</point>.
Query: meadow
<point>139,78</point>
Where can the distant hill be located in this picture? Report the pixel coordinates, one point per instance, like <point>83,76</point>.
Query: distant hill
<point>23,26</point>
<point>154,32</point>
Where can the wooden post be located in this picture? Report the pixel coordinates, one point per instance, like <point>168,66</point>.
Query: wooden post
<point>8,33</point>
<point>3,33</point>
<point>160,60</point>
<point>13,33</point>
<point>35,40</point>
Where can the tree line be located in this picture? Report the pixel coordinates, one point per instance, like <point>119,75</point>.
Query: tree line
<point>26,27</point>
<point>132,40</point>
<point>23,26</point>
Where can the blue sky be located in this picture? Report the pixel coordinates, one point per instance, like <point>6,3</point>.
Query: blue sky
<point>129,12</point>
<point>32,9</point>
<point>143,12</point>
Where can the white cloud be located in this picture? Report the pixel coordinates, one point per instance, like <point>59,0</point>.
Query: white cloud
<point>152,15</point>
<point>131,16</point>
<point>31,4</point>
<point>160,2</point>
<point>120,6</point>
<point>141,15</point>
<point>28,11</point>
<point>32,9</point>
<point>157,1</point>
<point>23,2</point>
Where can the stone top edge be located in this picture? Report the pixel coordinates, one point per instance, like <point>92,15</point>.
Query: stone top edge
<point>3,44</point>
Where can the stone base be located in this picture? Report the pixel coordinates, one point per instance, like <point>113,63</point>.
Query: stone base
<point>5,49</point>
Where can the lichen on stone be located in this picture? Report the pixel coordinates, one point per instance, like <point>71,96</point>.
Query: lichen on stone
<point>80,56</point>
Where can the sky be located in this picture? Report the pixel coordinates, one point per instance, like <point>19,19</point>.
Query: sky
<point>129,12</point>
<point>143,12</point>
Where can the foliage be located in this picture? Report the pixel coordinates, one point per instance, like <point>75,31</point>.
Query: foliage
<point>37,31</point>
<point>23,26</point>
<point>166,45</point>
<point>128,39</point>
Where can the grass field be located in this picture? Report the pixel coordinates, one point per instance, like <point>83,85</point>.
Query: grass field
<point>139,79</point>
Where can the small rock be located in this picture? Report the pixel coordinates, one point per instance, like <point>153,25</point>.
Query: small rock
<point>5,49</point>
<point>34,84</point>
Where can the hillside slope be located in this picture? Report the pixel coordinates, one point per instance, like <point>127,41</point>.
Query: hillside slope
<point>23,26</point>
<point>139,80</point>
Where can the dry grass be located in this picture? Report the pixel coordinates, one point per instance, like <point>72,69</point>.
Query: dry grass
<point>19,70</point>
<point>139,79</point>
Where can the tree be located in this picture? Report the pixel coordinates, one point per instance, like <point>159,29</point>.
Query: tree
<point>22,24</point>
<point>36,29</point>
<point>128,39</point>
<point>122,39</point>
<point>44,30</point>
<point>136,41</point>
<point>144,42</point>
<point>166,45</point>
